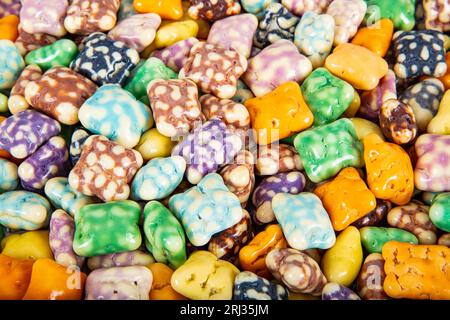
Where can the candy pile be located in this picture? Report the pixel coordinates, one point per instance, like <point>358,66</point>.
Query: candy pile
<point>225,149</point>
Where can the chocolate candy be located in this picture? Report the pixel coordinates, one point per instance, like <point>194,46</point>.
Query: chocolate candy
<point>249,286</point>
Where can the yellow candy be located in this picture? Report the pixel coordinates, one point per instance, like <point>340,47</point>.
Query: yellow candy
<point>29,245</point>
<point>153,144</point>
<point>342,262</point>
<point>440,124</point>
<point>205,277</point>
<point>354,106</point>
<point>174,32</point>
<point>365,127</point>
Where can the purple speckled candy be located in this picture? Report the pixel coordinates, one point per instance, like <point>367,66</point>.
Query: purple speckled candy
<point>50,160</point>
<point>335,291</point>
<point>8,7</point>
<point>119,283</point>
<point>122,259</point>
<point>207,148</point>
<point>176,55</point>
<point>62,230</point>
<point>22,133</point>
<point>290,182</point>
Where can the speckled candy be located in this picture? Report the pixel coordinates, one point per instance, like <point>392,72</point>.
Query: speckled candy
<point>59,53</point>
<point>44,16</point>
<point>373,238</point>
<point>398,122</point>
<point>336,291</point>
<point>249,286</point>
<point>348,15</point>
<point>79,136</point>
<point>440,211</point>
<point>275,158</point>
<point>121,259</point>
<point>256,7</point>
<point>11,64</point>
<point>9,179</point>
<point>213,10</point>
<point>8,7</point>
<point>16,100</point>
<point>301,7</point>
<point>175,56</point>
<point>401,12</point>
<point>27,42</point>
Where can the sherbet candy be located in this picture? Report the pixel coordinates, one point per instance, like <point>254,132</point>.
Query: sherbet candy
<point>213,10</point>
<point>289,182</point>
<point>207,148</point>
<point>59,53</point>
<point>175,56</point>
<point>9,7</point>
<point>164,235</point>
<point>304,221</point>
<point>16,100</point>
<point>119,283</point>
<point>116,114</point>
<point>23,210</point>
<point>205,277</point>
<point>121,259</point>
<point>77,140</point>
<point>440,211</point>
<point>371,278</point>
<point>206,209</point>
<point>249,286</point>
<point>275,158</point>
<point>274,65</point>
<point>137,31</point>
<point>326,95</point>
<point>44,16</point>
<point>327,149</point>
<point>27,42</point>
<point>440,123</point>
<point>11,64</point>
<point>107,228</point>
<point>28,245</point>
<point>336,291</point>
<point>235,32</point>
<point>9,179</point>
<point>431,172</point>
<point>348,15</point>
<point>314,36</point>
<point>104,60</point>
<point>50,160</point>
<point>62,230</point>
<point>401,12</point>
<point>301,7</point>
<point>373,238</point>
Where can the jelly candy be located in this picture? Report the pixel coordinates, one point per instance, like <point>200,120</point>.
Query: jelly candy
<point>373,238</point>
<point>365,127</point>
<point>59,53</point>
<point>77,140</point>
<point>435,12</point>
<point>374,216</point>
<point>126,10</point>
<point>8,7</point>
<point>440,211</point>
<point>38,16</point>
<point>11,64</point>
<point>166,9</point>
<point>249,286</point>
<point>256,7</point>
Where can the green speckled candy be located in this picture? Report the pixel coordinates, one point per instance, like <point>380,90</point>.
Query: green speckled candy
<point>326,95</point>
<point>60,53</point>
<point>401,12</point>
<point>440,211</point>
<point>164,235</point>
<point>141,76</point>
<point>107,228</point>
<point>373,238</point>
<point>325,150</point>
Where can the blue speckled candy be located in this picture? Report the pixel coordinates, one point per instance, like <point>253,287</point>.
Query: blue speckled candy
<point>23,210</point>
<point>206,209</point>
<point>11,64</point>
<point>116,114</point>
<point>8,175</point>
<point>62,196</point>
<point>158,178</point>
<point>257,7</point>
<point>104,60</point>
<point>335,291</point>
<point>249,286</point>
<point>305,223</point>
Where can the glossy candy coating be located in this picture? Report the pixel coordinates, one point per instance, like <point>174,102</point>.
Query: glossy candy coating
<point>175,55</point>
<point>47,17</point>
<point>335,291</point>
<point>14,277</point>
<point>16,100</point>
<point>440,124</point>
<point>9,179</point>
<point>373,238</point>
<point>121,259</point>
<point>371,278</point>
<point>440,211</point>
<point>28,245</point>
<point>11,64</point>
<point>59,53</point>
<point>401,12</point>
<point>249,286</point>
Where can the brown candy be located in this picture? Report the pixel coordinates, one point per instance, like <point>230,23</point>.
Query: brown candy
<point>371,278</point>
<point>444,240</point>
<point>27,42</point>
<point>414,218</point>
<point>59,93</point>
<point>397,121</point>
<point>16,101</point>
<point>374,216</point>
<point>276,158</point>
<point>213,10</point>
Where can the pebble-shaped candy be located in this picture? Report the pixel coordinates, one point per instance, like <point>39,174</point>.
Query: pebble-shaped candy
<point>27,42</point>
<point>127,121</point>
<point>301,7</point>
<point>8,27</point>
<point>275,158</point>
<point>59,53</point>
<point>348,15</point>
<point>373,238</point>
<point>326,95</point>
<point>23,133</point>
<point>161,287</point>
<point>158,178</point>
<point>207,148</point>
<point>28,245</point>
<point>175,56</point>
<point>195,208</point>
<point>65,92</point>
<point>401,12</point>
<point>298,271</point>
<point>137,31</point>
<point>376,37</point>
<point>336,291</point>
<point>440,123</point>
<point>257,7</point>
<point>121,259</point>
<point>153,145</point>
<point>164,235</point>
<point>389,170</point>
<point>314,37</point>
<point>375,216</point>
<point>38,16</point>
<point>327,149</point>
<point>3,103</point>
<point>87,16</point>
<point>62,196</point>
<point>436,13</point>
<point>79,136</point>
<point>431,172</point>
<point>398,122</point>
<point>166,9</point>
<point>62,230</point>
<point>304,221</point>
<point>419,53</point>
<point>14,277</point>
<point>105,168</point>
<point>290,182</point>
<point>16,100</point>
<point>50,160</point>
<point>277,23</point>
<point>119,283</point>
<point>249,286</point>
<point>274,65</point>
<point>9,179</point>
<point>171,33</point>
<point>11,64</point>
<point>440,211</point>
<point>8,7</point>
<point>365,127</point>
<point>371,278</point>
<point>186,111</point>
<point>235,32</point>
<point>104,60</point>
<point>444,240</point>
<point>23,210</point>
<point>213,10</point>
<point>107,228</point>
<point>126,10</point>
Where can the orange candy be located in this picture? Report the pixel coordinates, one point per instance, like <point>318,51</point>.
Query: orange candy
<point>8,27</point>
<point>161,287</point>
<point>376,38</point>
<point>445,79</point>
<point>52,281</point>
<point>252,257</point>
<point>279,114</point>
<point>346,198</point>
<point>389,170</point>
<point>166,9</point>
<point>15,276</point>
